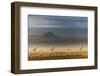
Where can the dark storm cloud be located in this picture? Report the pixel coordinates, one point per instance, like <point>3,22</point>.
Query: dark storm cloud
<point>63,26</point>
<point>57,21</point>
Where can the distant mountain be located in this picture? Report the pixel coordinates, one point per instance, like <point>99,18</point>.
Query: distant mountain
<point>52,37</point>
<point>49,35</point>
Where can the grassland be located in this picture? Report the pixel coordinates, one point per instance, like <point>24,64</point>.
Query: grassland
<point>51,51</point>
<point>57,53</point>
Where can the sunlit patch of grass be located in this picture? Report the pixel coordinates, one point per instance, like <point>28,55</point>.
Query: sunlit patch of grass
<point>57,53</point>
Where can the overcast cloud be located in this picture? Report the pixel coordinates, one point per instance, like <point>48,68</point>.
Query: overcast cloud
<point>65,26</point>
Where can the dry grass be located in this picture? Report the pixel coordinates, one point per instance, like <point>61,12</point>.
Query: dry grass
<point>57,53</point>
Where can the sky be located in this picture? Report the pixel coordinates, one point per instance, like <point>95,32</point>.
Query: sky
<point>63,26</point>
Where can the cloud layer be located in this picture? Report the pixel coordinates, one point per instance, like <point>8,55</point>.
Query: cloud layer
<point>65,26</point>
